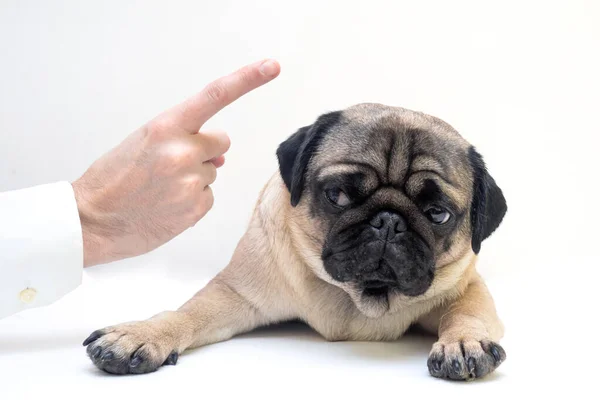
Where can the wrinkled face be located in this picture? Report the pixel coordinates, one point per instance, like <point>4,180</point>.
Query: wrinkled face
<point>390,194</point>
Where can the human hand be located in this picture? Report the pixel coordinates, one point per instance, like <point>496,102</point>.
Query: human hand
<point>156,183</point>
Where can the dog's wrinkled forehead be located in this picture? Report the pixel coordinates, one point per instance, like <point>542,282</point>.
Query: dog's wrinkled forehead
<point>394,141</point>
<point>410,155</point>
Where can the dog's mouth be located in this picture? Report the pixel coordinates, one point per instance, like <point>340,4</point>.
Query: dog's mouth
<point>376,289</point>
<point>373,300</point>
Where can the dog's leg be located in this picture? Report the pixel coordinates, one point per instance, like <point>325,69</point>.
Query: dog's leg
<point>468,331</point>
<point>247,294</point>
<point>214,314</point>
<point>250,292</point>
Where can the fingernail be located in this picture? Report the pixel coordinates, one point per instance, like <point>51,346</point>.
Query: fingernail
<point>268,68</point>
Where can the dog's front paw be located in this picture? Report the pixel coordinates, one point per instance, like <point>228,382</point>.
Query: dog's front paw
<point>133,348</point>
<point>465,360</point>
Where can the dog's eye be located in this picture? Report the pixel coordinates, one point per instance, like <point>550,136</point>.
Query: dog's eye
<point>437,215</point>
<point>337,197</point>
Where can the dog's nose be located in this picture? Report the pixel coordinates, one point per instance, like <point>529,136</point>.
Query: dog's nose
<point>386,220</point>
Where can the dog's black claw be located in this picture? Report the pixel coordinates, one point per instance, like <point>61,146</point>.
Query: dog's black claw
<point>97,352</point>
<point>437,365</point>
<point>471,366</point>
<point>93,337</point>
<point>135,362</point>
<point>495,352</point>
<point>109,355</point>
<point>172,359</point>
<point>456,366</point>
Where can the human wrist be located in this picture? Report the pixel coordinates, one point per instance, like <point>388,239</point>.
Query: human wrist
<point>95,238</point>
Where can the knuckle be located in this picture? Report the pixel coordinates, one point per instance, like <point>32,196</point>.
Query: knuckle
<point>186,155</point>
<point>197,214</point>
<point>209,199</point>
<point>156,129</point>
<point>193,183</point>
<point>212,174</point>
<point>203,206</point>
<point>216,93</point>
<point>248,74</point>
<point>181,155</point>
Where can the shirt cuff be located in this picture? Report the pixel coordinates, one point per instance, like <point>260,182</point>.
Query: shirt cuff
<point>41,246</point>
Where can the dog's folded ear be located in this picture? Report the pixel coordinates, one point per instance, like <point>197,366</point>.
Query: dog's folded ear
<point>296,152</point>
<point>488,206</point>
<point>286,155</point>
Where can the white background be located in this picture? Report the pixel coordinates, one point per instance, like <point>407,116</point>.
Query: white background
<point>519,79</point>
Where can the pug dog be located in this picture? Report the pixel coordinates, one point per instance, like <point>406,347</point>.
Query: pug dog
<point>372,225</point>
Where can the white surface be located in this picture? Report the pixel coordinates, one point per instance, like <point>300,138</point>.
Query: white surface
<point>41,249</point>
<point>518,79</point>
<point>41,352</point>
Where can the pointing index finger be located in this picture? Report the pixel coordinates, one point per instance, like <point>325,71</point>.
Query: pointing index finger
<point>195,111</point>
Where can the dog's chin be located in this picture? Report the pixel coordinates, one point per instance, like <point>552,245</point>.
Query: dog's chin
<point>371,303</point>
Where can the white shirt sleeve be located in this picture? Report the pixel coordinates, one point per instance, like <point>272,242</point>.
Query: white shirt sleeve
<point>41,246</point>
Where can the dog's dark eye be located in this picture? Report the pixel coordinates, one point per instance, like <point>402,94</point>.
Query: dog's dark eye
<point>437,215</point>
<point>337,197</point>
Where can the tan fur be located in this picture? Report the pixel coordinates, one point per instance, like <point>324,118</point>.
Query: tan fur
<point>276,274</point>
<point>267,281</point>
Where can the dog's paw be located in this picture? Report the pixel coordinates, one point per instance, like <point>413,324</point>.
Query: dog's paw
<point>133,348</point>
<point>465,360</point>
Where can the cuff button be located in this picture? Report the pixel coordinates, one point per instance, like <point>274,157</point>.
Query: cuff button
<point>27,295</point>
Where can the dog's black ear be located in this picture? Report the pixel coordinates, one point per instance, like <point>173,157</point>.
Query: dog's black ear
<point>287,153</point>
<point>488,206</point>
<point>295,153</point>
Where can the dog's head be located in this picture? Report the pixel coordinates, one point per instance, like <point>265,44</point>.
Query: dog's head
<point>391,196</point>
